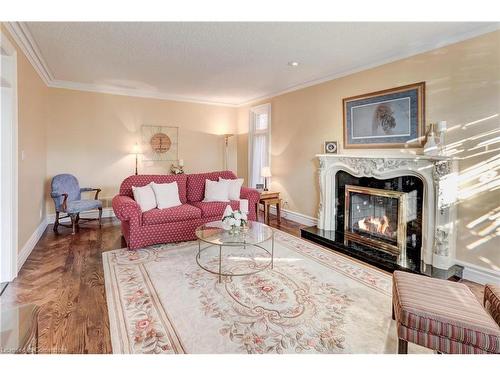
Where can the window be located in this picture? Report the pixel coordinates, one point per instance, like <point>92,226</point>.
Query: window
<point>259,143</point>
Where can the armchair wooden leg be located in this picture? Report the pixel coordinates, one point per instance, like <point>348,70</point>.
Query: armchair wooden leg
<point>402,346</point>
<point>56,221</point>
<point>100,216</point>
<point>393,314</point>
<point>73,222</point>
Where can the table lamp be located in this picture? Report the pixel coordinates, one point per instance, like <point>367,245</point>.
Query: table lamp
<point>266,173</point>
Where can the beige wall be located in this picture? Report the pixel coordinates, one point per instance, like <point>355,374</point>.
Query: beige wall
<point>91,136</point>
<point>32,112</point>
<point>463,86</point>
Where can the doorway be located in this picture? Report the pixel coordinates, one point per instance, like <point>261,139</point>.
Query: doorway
<point>8,161</point>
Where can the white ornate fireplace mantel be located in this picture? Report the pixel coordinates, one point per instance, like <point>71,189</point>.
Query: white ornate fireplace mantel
<point>438,175</point>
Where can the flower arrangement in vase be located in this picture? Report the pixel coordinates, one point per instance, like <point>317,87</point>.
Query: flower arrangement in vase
<point>233,221</point>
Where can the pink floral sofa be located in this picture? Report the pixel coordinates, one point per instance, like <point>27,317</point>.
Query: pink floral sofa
<point>176,223</point>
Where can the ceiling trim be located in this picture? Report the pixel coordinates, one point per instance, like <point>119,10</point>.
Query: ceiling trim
<point>103,89</point>
<point>22,36</point>
<point>25,41</point>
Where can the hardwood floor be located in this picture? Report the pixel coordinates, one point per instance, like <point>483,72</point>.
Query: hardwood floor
<point>64,276</point>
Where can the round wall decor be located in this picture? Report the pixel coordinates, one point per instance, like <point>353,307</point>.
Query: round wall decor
<point>160,143</point>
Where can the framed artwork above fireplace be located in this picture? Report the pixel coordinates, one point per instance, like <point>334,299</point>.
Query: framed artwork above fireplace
<point>392,118</point>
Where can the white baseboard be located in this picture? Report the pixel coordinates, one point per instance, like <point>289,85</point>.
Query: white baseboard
<point>296,216</point>
<point>30,244</point>
<point>479,274</point>
<point>106,212</point>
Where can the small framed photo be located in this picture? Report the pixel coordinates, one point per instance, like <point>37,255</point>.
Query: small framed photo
<point>259,186</point>
<point>330,147</point>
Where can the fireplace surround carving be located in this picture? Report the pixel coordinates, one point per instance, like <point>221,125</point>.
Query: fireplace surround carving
<point>438,175</point>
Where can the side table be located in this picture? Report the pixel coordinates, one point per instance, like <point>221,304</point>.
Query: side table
<point>267,199</point>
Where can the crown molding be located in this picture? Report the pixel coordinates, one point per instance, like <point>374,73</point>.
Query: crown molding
<point>21,35</point>
<point>103,89</point>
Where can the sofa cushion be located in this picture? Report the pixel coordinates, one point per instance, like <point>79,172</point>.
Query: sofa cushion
<point>172,214</point>
<point>216,209</point>
<point>144,179</point>
<point>145,197</point>
<point>196,183</point>
<point>443,308</point>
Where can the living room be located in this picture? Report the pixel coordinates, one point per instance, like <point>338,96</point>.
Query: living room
<point>242,187</point>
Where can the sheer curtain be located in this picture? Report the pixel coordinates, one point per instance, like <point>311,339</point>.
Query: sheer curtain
<point>259,159</point>
<point>259,142</point>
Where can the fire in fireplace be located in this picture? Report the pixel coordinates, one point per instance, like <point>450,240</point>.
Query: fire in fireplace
<point>377,225</point>
<point>376,217</point>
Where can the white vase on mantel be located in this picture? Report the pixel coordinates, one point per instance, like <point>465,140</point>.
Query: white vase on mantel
<point>431,146</point>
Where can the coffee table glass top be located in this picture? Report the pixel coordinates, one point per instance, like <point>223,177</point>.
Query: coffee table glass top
<point>253,234</point>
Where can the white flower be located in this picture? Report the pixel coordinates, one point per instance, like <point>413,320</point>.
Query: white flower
<point>238,222</point>
<point>225,225</point>
<point>244,216</point>
<point>231,221</point>
<point>237,215</point>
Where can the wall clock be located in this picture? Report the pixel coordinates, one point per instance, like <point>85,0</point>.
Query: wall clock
<point>160,143</point>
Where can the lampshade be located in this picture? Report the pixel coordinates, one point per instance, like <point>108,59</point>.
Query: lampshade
<point>265,172</point>
<point>136,149</point>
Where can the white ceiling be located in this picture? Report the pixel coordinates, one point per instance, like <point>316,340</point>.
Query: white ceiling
<point>230,63</point>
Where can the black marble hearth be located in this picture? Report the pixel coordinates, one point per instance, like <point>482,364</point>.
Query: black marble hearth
<point>377,258</point>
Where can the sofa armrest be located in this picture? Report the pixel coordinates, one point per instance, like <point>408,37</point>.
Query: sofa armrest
<point>492,301</point>
<point>127,209</point>
<point>252,195</point>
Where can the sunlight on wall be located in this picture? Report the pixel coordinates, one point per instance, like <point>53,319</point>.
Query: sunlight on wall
<point>479,138</point>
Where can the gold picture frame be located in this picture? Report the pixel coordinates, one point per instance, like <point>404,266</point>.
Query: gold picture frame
<point>392,118</point>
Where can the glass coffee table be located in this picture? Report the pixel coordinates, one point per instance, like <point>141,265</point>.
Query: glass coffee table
<point>239,254</point>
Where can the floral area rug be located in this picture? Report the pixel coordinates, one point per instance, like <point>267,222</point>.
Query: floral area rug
<point>311,301</point>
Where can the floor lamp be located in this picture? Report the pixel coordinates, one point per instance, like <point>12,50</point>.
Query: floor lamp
<point>226,149</point>
<point>136,150</point>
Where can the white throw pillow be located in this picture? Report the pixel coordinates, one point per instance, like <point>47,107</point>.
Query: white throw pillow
<point>145,197</point>
<point>167,195</point>
<point>216,191</point>
<point>234,188</point>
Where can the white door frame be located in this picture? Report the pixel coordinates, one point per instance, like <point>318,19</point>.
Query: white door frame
<point>9,171</point>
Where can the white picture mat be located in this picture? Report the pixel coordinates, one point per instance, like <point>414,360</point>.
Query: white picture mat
<point>403,124</point>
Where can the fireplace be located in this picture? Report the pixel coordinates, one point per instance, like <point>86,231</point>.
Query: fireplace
<point>396,211</point>
<point>380,218</point>
<point>376,217</point>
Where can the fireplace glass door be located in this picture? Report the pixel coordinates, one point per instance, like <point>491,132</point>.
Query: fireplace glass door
<point>376,217</point>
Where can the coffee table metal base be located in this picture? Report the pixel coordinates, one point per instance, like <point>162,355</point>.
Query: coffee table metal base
<point>219,273</point>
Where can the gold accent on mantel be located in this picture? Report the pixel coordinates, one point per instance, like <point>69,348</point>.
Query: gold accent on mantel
<point>400,249</point>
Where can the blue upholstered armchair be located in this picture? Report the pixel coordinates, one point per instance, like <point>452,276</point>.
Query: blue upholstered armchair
<point>67,196</point>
